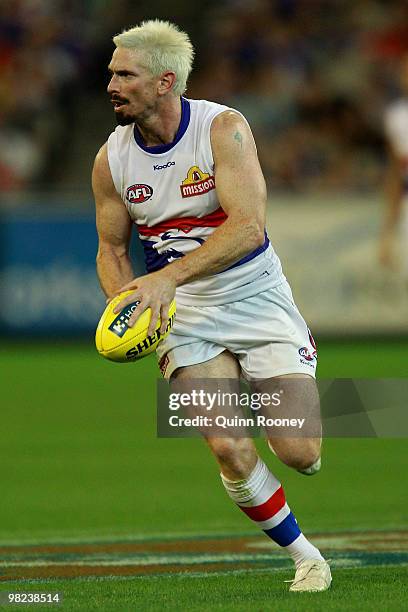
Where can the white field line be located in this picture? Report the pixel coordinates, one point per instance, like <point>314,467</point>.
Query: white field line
<point>88,538</point>
<point>339,564</point>
<point>346,561</point>
<point>194,559</point>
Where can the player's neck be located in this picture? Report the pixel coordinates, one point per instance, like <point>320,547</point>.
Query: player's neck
<point>161,127</point>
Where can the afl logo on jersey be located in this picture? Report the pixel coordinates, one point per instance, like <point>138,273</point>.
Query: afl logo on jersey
<point>139,193</point>
<point>196,183</point>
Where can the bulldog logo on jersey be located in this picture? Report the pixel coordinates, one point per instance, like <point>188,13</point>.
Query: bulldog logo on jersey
<point>139,193</point>
<point>196,183</point>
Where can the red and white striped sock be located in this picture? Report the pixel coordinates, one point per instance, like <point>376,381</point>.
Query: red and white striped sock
<point>262,498</point>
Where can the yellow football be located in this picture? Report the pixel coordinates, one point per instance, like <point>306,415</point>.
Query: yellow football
<point>118,342</point>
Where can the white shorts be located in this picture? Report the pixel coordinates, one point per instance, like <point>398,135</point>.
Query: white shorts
<point>266,333</point>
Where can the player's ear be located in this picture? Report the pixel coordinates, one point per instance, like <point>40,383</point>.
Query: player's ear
<point>166,82</point>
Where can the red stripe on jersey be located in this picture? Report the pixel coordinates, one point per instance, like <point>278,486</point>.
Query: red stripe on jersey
<point>268,509</point>
<point>185,224</point>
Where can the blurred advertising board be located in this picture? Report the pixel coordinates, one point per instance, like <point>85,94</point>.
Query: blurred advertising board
<point>329,252</point>
<point>48,279</point>
<point>328,248</point>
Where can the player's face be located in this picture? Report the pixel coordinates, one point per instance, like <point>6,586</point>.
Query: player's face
<point>132,89</point>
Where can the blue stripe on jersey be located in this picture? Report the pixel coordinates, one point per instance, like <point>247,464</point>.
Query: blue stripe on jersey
<point>286,532</point>
<point>155,261</point>
<point>251,255</point>
<point>184,123</point>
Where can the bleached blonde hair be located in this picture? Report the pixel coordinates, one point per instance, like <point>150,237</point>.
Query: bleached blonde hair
<point>165,47</point>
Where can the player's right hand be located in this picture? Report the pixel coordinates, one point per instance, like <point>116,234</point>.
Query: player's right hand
<point>156,291</point>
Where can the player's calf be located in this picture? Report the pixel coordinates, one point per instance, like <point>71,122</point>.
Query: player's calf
<point>261,496</point>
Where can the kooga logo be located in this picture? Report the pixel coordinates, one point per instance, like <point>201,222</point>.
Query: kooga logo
<point>170,163</point>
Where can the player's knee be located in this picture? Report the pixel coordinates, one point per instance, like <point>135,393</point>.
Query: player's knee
<point>308,458</point>
<point>233,454</point>
<point>227,451</point>
<point>312,469</point>
<point>301,457</point>
<point>305,462</point>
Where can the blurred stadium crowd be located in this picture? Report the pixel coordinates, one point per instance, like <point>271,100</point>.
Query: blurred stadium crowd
<point>312,77</point>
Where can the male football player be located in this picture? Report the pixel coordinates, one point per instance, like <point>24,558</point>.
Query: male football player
<point>186,174</point>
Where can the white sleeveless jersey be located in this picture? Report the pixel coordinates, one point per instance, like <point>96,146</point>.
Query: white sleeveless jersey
<point>170,194</point>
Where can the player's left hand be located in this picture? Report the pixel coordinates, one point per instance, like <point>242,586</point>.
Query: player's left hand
<point>155,291</point>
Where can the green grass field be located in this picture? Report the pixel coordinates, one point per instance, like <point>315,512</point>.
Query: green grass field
<point>81,463</point>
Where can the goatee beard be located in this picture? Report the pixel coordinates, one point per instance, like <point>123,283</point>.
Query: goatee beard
<point>124,119</point>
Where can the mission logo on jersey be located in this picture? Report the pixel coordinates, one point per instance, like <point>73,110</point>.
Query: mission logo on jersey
<point>196,183</point>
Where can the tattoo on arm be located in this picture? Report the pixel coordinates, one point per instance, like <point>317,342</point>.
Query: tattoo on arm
<point>238,137</point>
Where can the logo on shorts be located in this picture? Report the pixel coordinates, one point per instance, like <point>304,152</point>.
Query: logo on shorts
<point>139,193</point>
<point>307,356</point>
<point>305,353</point>
<point>196,183</point>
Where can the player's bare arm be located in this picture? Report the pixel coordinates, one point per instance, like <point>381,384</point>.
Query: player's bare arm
<point>242,194</point>
<point>394,195</point>
<point>114,229</point>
